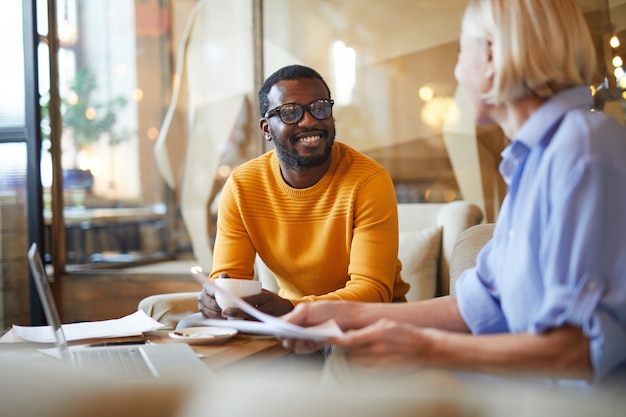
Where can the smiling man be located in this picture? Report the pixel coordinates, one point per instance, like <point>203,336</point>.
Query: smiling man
<point>321,216</point>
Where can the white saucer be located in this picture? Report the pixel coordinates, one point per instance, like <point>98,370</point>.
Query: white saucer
<point>203,335</point>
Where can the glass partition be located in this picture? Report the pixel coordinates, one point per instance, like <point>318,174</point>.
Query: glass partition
<point>114,69</point>
<point>14,290</point>
<point>12,101</point>
<point>390,66</point>
<point>159,104</point>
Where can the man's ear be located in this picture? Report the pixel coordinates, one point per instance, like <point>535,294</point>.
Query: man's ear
<point>264,124</point>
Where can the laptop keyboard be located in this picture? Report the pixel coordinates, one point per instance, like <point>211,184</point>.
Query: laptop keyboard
<point>124,362</point>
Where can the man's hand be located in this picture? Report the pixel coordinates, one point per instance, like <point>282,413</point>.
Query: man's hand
<point>266,302</point>
<point>207,304</point>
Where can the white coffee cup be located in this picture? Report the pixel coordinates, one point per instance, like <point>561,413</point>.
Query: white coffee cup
<point>240,287</point>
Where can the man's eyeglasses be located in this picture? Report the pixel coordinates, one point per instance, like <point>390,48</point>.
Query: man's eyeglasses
<point>291,113</point>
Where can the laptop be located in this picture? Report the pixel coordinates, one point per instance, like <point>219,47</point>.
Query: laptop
<point>133,361</point>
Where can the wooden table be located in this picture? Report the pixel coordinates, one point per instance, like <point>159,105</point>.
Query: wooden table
<point>241,349</point>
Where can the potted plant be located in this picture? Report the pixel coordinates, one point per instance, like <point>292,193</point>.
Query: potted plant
<point>85,121</point>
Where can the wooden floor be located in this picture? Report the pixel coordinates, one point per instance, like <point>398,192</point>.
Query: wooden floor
<point>103,295</point>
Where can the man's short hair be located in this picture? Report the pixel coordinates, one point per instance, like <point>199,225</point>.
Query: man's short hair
<point>290,72</point>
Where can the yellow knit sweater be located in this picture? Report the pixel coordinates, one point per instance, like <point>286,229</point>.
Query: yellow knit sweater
<point>335,240</point>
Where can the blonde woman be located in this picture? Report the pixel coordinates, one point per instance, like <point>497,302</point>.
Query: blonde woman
<point>548,295</point>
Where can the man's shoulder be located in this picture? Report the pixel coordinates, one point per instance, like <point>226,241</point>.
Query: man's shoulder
<point>255,166</point>
<point>349,155</point>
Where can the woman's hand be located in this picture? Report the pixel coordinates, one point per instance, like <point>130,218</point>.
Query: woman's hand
<point>388,346</point>
<point>314,313</point>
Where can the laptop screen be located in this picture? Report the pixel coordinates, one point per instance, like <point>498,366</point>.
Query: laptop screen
<point>47,302</point>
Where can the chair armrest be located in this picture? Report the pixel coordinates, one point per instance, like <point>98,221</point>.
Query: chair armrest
<point>466,248</point>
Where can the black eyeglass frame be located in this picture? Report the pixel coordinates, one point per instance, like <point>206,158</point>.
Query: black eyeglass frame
<point>276,110</point>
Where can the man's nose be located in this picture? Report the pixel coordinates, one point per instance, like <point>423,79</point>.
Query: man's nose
<point>307,118</point>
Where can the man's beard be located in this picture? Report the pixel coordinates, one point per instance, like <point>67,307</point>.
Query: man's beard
<point>298,162</point>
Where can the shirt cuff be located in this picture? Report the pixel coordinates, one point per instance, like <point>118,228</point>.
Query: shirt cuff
<point>480,310</point>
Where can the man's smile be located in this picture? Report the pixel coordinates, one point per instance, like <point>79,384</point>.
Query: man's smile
<point>310,139</point>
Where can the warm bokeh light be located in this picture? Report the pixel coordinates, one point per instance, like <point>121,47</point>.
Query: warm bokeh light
<point>90,113</point>
<point>436,195</point>
<point>153,133</point>
<point>223,171</point>
<point>73,99</point>
<point>614,42</point>
<point>593,90</point>
<point>138,94</point>
<point>426,93</point>
<point>619,72</point>
<point>617,61</point>
<point>436,111</point>
<point>67,33</point>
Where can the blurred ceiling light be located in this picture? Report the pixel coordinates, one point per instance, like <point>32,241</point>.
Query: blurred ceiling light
<point>617,61</point>
<point>344,60</point>
<point>614,42</point>
<point>619,72</point>
<point>426,93</point>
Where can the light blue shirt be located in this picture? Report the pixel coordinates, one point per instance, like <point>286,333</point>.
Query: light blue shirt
<point>558,253</point>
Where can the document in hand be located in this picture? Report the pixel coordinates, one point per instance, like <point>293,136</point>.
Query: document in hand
<point>267,324</point>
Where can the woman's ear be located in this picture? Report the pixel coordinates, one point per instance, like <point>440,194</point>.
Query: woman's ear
<point>490,69</point>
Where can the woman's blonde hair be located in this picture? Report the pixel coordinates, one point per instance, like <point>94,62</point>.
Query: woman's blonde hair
<point>539,47</point>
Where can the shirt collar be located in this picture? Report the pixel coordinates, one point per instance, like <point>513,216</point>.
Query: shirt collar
<point>540,122</point>
<point>538,125</point>
<point>512,156</point>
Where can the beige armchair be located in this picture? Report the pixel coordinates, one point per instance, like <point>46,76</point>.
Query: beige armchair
<point>466,248</point>
<point>428,233</point>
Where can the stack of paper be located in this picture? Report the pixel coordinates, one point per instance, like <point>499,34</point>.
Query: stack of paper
<point>132,325</point>
<point>267,324</point>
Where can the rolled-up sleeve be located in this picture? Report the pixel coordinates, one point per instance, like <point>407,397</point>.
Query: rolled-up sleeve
<point>589,306</point>
<point>584,281</point>
<point>477,301</point>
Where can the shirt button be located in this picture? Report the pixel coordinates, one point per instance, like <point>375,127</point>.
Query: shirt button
<point>511,233</point>
<point>592,286</point>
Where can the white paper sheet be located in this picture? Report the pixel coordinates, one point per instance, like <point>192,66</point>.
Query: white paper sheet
<point>267,324</point>
<point>132,325</point>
